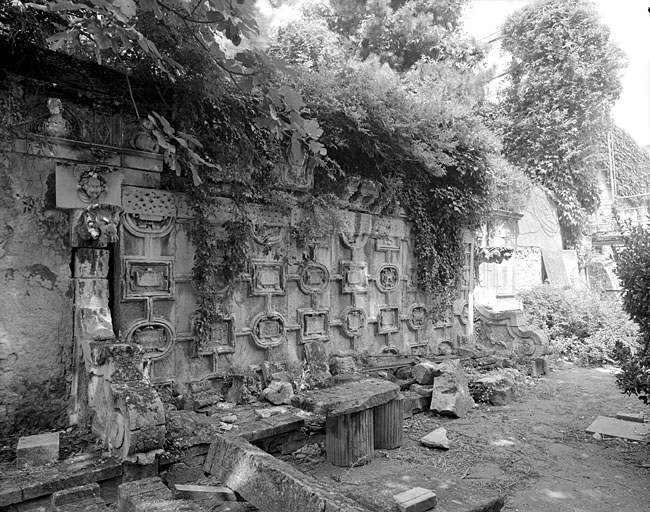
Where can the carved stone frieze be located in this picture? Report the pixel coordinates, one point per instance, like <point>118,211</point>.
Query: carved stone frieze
<point>355,277</point>
<point>268,330</point>
<point>314,324</point>
<point>313,278</point>
<point>355,229</point>
<point>388,278</point>
<point>354,321</point>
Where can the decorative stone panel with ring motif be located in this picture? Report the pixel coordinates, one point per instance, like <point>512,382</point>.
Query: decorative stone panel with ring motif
<point>313,278</point>
<point>156,337</point>
<point>268,330</point>
<point>388,278</point>
<point>354,322</point>
<point>417,317</point>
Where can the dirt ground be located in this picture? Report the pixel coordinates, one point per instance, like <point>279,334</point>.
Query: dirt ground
<point>534,452</point>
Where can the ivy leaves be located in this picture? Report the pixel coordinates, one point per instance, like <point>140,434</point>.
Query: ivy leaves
<point>563,79</point>
<point>119,33</point>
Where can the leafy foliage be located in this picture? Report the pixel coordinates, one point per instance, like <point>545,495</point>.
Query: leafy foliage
<point>631,163</point>
<point>581,325</point>
<point>415,133</point>
<point>563,79</point>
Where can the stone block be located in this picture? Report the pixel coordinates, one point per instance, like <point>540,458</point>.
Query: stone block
<point>75,494</point>
<point>501,396</point>
<point>142,495</point>
<point>269,483</point>
<point>425,372</point>
<point>639,418</point>
<point>317,361</point>
<point>203,492</point>
<point>95,504</point>
<point>278,392</point>
<point>436,439</point>
<point>451,395</point>
<point>91,263</point>
<point>417,499</point>
<point>422,390</point>
<point>538,367</point>
<point>37,450</point>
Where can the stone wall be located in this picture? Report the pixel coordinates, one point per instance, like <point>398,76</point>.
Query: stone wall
<point>35,298</point>
<point>528,267</point>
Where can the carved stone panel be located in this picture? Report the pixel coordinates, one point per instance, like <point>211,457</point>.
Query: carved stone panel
<point>267,278</point>
<point>387,243</point>
<point>388,320</point>
<point>417,317</point>
<point>355,321</point>
<point>147,279</point>
<point>148,211</point>
<point>355,277</point>
<point>155,337</point>
<point>313,278</point>
<point>221,338</point>
<point>314,325</point>
<point>388,278</point>
<point>412,282</point>
<point>268,330</point>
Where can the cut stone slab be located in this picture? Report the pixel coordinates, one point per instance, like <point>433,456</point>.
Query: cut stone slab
<point>37,450</point>
<point>538,367</point>
<point>619,428</point>
<point>422,390</point>
<point>436,439</point>
<point>347,398</point>
<point>639,418</point>
<point>317,362</point>
<point>87,505</point>
<point>75,494</point>
<point>417,499</point>
<point>269,483</point>
<point>203,492</point>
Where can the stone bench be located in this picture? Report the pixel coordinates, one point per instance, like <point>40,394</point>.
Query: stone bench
<point>359,417</point>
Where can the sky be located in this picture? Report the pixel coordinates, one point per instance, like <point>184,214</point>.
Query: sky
<point>629,22</point>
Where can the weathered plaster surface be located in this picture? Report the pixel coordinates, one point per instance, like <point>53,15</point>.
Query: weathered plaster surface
<point>35,298</point>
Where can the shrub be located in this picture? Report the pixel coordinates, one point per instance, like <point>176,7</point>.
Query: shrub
<point>633,269</point>
<point>580,324</point>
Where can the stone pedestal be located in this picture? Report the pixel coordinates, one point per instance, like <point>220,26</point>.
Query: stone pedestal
<point>388,424</point>
<point>349,438</point>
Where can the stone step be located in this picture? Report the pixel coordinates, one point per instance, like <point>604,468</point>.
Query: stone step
<point>17,485</point>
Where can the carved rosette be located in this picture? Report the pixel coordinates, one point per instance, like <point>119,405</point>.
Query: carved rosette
<point>388,277</point>
<point>314,325</point>
<point>388,320</point>
<point>417,317</point>
<point>268,330</point>
<point>354,321</point>
<point>313,278</point>
<point>355,277</point>
<point>156,337</point>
